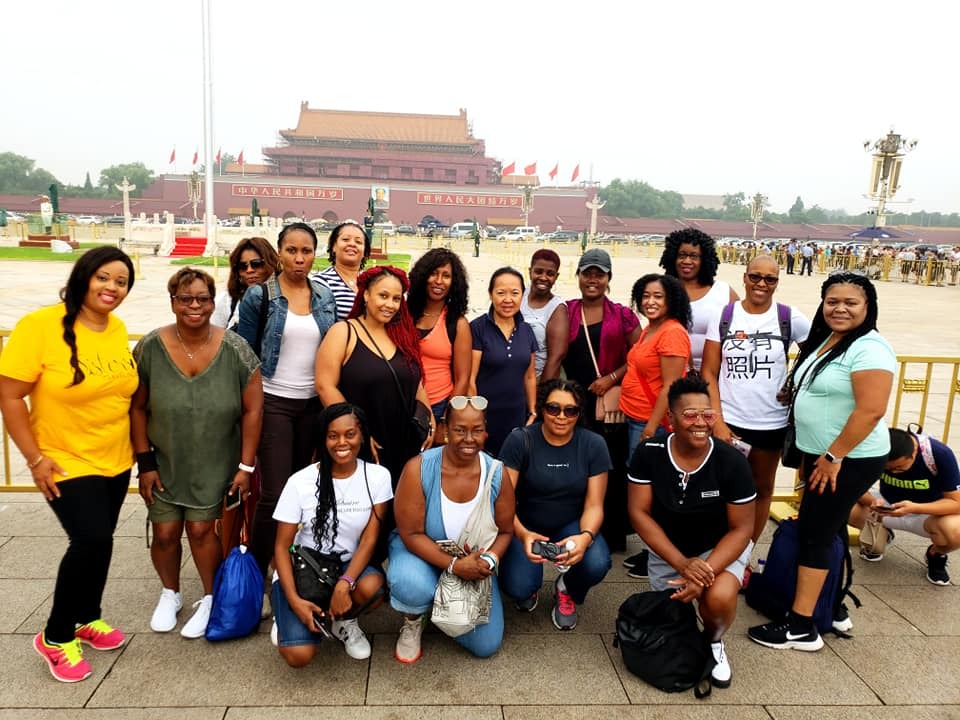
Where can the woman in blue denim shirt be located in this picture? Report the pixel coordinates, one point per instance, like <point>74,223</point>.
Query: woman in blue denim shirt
<point>299,313</point>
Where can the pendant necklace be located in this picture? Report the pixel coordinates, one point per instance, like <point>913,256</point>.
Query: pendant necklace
<point>197,351</point>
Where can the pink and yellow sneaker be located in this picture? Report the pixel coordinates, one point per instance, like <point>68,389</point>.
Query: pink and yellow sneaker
<point>100,636</point>
<point>65,660</point>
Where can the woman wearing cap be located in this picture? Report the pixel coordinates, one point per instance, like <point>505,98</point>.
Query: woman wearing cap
<point>600,334</point>
<point>347,249</point>
<point>690,256</point>
<point>546,313</point>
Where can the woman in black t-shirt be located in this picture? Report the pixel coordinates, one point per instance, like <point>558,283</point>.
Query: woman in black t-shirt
<point>559,470</point>
<point>692,501</point>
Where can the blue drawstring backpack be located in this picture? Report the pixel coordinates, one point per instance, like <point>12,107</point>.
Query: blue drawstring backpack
<point>237,597</point>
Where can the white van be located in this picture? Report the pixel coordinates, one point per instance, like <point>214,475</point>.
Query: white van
<point>387,228</point>
<point>461,230</point>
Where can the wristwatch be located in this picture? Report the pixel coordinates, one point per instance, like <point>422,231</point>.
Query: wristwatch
<point>831,458</point>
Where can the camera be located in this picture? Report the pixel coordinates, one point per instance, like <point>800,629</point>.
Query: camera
<point>547,550</point>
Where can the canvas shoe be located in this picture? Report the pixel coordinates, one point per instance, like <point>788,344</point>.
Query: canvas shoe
<point>100,636</point>
<point>65,660</point>
<point>637,564</point>
<point>841,620</point>
<point>937,567</point>
<point>408,644</point>
<point>274,635</point>
<point>564,613</point>
<point>721,674</point>
<point>165,614</point>
<point>782,635</point>
<point>527,604</point>
<point>354,641</point>
<point>196,626</point>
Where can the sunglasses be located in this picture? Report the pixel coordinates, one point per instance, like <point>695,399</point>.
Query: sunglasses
<point>459,402</point>
<point>188,300</point>
<point>253,264</point>
<point>768,279</point>
<point>709,416</point>
<point>554,410</point>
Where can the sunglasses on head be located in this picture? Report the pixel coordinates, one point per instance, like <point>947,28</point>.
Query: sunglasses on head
<point>459,402</point>
<point>254,264</point>
<point>768,279</point>
<point>554,410</point>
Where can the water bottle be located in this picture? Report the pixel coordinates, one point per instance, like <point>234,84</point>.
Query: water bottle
<point>570,545</point>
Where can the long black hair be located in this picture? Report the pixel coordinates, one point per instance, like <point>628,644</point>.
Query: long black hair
<point>326,522</point>
<point>678,303</point>
<point>709,262</point>
<point>422,270</point>
<point>820,331</point>
<point>74,292</point>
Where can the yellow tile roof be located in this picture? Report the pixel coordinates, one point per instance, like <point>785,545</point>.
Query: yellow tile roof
<point>380,126</point>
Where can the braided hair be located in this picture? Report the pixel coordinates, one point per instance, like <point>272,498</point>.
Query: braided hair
<point>709,262</point>
<point>400,329</point>
<point>75,291</point>
<point>326,523</point>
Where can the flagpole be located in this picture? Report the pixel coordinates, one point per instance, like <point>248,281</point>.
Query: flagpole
<point>209,210</point>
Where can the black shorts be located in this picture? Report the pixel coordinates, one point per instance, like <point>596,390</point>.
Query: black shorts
<point>760,439</point>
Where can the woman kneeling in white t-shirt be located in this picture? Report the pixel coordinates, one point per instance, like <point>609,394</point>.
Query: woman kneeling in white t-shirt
<point>334,506</point>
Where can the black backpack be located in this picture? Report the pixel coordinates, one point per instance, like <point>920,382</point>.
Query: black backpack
<point>662,644</point>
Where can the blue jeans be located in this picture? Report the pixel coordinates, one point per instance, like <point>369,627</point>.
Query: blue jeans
<point>413,581</point>
<point>522,578</point>
<point>635,429</point>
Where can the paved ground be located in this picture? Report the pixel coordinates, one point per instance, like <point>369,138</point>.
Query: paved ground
<point>902,662</point>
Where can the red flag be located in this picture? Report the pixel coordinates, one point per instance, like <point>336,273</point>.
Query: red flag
<point>531,169</point>
<point>240,157</point>
<point>553,173</point>
<point>195,155</point>
<point>173,155</point>
<point>218,157</point>
<point>576,173</point>
<point>509,169</point>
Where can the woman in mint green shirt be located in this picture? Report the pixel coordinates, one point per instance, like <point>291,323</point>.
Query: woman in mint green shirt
<point>843,378</point>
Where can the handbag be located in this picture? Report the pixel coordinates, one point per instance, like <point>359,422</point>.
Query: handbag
<point>315,574</point>
<point>607,408</point>
<point>873,535</point>
<point>237,597</point>
<point>418,426</point>
<point>460,605</point>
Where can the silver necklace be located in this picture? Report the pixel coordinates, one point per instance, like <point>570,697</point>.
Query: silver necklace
<point>197,351</point>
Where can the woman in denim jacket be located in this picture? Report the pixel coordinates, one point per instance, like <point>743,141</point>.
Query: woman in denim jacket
<point>299,313</point>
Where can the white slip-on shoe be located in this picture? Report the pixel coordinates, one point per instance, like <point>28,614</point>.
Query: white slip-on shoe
<point>164,617</point>
<point>196,626</point>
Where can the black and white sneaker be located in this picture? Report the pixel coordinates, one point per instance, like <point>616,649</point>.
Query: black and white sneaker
<point>841,620</point>
<point>721,674</point>
<point>783,635</point>
<point>937,567</point>
<point>637,564</point>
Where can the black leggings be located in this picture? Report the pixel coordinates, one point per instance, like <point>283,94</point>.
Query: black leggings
<point>88,509</point>
<point>822,516</point>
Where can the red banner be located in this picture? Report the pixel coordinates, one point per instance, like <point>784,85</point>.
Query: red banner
<point>285,191</point>
<point>433,198</point>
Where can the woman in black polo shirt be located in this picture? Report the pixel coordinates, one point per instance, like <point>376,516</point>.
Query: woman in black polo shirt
<point>692,501</point>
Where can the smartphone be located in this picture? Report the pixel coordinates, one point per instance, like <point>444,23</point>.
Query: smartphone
<point>743,447</point>
<point>232,500</point>
<point>450,547</point>
<point>320,627</point>
<point>885,508</point>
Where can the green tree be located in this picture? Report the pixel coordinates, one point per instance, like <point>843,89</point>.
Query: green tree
<point>137,173</point>
<point>796,212</point>
<point>18,176</point>
<point>87,185</point>
<point>635,198</point>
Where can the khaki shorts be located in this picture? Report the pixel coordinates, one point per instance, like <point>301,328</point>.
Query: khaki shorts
<point>162,512</point>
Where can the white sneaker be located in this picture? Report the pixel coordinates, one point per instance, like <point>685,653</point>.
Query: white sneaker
<point>408,644</point>
<point>274,636</point>
<point>355,642</point>
<point>196,626</point>
<point>267,610</point>
<point>164,617</point>
<point>721,674</point>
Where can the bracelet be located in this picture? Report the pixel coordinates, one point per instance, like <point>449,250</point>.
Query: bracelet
<point>450,566</point>
<point>490,559</point>
<point>590,533</point>
<point>614,375</point>
<point>32,465</point>
<point>147,461</point>
<point>246,468</point>
<point>349,581</point>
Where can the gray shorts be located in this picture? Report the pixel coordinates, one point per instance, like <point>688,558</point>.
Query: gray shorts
<point>661,572</point>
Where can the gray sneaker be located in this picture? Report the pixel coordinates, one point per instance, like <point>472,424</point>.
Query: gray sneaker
<point>564,613</point>
<point>408,644</point>
<point>527,604</point>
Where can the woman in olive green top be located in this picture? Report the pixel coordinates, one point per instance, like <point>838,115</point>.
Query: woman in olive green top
<point>195,422</point>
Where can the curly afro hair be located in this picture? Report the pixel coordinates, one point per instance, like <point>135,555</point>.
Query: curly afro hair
<point>709,262</point>
<point>420,273</point>
<point>678,304</point>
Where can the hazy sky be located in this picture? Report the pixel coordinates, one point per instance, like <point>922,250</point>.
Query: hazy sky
<point>698,97</point>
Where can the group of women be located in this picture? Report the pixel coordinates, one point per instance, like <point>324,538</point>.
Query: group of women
<point>332,389</point>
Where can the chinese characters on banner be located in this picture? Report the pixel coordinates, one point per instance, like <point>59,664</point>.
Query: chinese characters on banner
<point>433,198</point>
<point>286,191</point>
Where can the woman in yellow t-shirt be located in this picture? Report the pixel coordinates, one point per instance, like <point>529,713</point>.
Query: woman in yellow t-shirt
<point>73,361</point>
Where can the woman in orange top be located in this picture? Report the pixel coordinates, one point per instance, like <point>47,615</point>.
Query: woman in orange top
<point>658,358</point>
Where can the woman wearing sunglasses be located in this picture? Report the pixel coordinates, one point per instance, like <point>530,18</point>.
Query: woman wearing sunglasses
<point>251,263</point>
<point>559,472</point>
<point>746,370</point>
<point>692,501</point>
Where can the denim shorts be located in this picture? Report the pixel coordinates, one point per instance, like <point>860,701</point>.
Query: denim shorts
<point>290,631</point>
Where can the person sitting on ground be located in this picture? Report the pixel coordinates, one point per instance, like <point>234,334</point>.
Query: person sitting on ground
<point>334,506</point>
<point>919,493</point>
<point>691,500</point>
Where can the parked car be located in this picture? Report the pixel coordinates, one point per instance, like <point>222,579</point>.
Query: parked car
<point>87,220</point>
<point>406,230</point>
<point>387,228</point>
<point>114,220</point>
<point>15,217</point>
<point>461,230</point>
<point>566,235</point>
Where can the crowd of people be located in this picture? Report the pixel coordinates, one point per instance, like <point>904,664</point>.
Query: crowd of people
<point>381,425</point>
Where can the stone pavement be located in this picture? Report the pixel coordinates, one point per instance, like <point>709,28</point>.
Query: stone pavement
<point>902,662</point>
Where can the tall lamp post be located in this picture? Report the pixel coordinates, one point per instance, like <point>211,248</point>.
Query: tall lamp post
<point>757,203</point>
<point>888,155</point>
